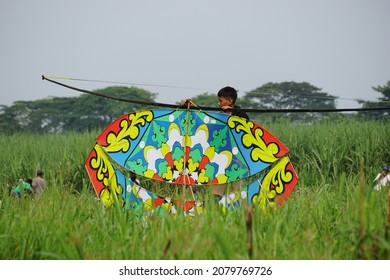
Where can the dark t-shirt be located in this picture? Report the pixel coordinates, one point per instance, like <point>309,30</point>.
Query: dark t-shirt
<point>238,112</point>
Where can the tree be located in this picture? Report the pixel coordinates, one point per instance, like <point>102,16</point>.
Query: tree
<point>8,122</point>
<point>86,112</point>
<point>383,102</point>
<point>98,112</point>
<point>290,95</point>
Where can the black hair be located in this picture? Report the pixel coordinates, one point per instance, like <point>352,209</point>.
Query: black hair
<point>228,92</point>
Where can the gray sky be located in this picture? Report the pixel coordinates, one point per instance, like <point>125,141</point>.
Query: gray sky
<point>341,46</point>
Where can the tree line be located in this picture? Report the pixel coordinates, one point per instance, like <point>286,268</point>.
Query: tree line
<point>88,112</point>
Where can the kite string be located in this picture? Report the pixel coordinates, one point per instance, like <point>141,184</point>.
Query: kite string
<point>187,87</point>
<point>124,83</point>
<point>186,140</point>
<point>110,97</point>
<point>265,110</point>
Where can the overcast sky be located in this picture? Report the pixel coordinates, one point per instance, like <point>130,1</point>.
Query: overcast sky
<point>340,46</point>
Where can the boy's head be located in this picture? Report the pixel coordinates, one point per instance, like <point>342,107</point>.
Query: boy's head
<point>227,97</point>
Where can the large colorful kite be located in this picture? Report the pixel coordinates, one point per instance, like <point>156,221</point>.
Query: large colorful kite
<point>172,158</point>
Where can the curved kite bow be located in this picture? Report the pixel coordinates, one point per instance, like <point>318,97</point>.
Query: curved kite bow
<point>185,147</point>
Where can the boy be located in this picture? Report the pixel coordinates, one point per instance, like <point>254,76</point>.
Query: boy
<point>227,97</point>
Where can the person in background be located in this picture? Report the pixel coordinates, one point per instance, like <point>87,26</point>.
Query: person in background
<point>27,189</point>
<point>382,180</point>
<point>38,183</point>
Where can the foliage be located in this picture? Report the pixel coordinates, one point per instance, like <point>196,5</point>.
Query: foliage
<point>84,113</point>
<point>8,120</point>
<point>321,220</point>
<point>88,112</point>
<point>383,102</point>
<point>290,95</point>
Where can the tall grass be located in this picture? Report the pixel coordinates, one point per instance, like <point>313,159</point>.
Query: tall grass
<point>327,217</point>
<point>61,157</point>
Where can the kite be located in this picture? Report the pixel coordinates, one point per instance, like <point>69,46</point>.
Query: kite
<point>165,159</point>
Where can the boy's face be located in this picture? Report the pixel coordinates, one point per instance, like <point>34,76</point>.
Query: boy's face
<point>225,102</point>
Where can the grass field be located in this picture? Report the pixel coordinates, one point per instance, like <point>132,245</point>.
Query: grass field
<point>334,213</point>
